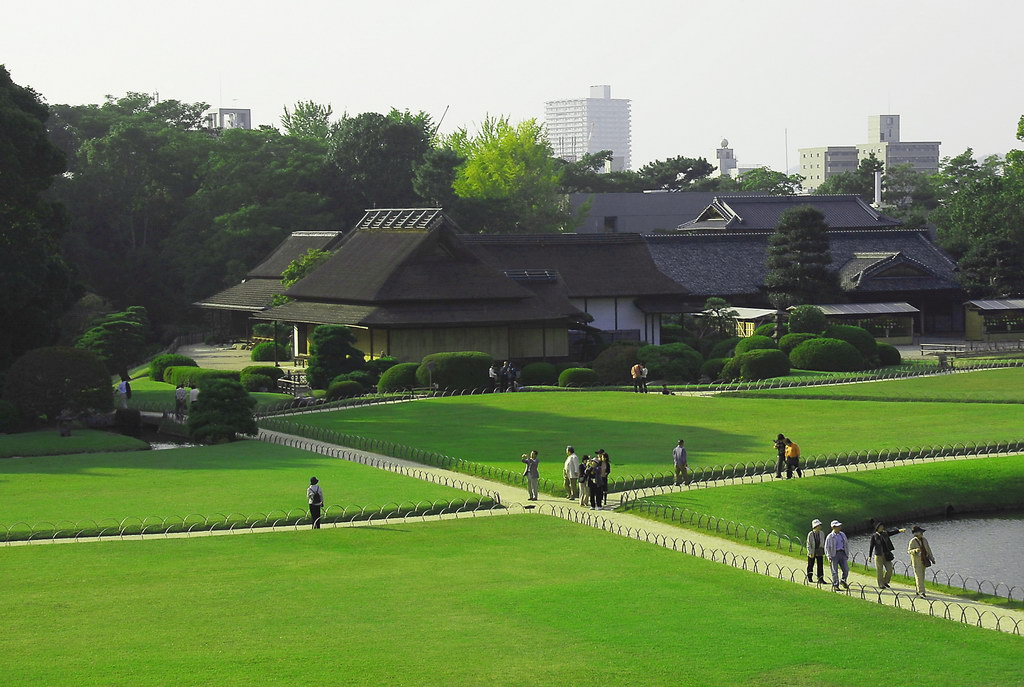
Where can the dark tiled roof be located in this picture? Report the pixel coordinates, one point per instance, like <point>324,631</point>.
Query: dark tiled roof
<point>592,266</point>
<point>733,263</point>
<point>639,213</point>
<point>871,271</point>
<point>761,213</point>
<point>252,294</point>
<point>295,246</point>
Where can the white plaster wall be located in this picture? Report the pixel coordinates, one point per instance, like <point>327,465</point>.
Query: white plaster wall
<point>622,313</point>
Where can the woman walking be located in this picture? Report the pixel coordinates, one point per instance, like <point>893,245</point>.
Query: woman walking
<point>921,556</point>
<point>531,474</point>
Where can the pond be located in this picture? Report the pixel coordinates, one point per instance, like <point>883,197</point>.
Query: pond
<point>156,440</point>
<point>984,547</point>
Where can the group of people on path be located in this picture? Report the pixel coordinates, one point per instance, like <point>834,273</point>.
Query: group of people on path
<point>504,377</point>
<point>184,398</point>
<point>787,454</point>
<point>639,374</point>
<point>836,547</point>
<point>586,478</point>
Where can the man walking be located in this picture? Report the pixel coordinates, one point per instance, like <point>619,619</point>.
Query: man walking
<point>180,398</point>
<point>635,373</point>
<point>679,463</point>
<point>816,551</point>
<point>571,473</point>
<point>792,459</point>
<point>643,378</point>
<point>837,549</point>
<point>531,474</point>
<point>315,495</point>
<point>882,549</point>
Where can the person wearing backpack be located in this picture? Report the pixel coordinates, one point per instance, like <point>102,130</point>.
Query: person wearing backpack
<point>315,496</point>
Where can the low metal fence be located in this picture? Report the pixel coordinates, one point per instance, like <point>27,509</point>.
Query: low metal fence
<point>772,538</point>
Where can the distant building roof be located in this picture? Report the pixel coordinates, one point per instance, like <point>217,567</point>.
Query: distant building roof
<point>295,245</point>
<point>406,219</point>
<point>252,295</point>
<point>867,309</point>
<point>998,304</point>
<point>761,213</point>
<point>638,213</point>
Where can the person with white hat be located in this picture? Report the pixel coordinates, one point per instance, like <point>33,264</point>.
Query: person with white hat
<point>837,549</point>
<point>816,551</point>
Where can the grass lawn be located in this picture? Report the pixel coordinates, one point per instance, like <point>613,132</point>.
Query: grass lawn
<point>1000,386</point>
<point>639,431</point>
<point>243,477</point>
<point>48,442</point>
<point>519,599</point>
<point>148,395</point>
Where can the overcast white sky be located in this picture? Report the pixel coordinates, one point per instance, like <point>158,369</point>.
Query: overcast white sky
<point>696,71</point>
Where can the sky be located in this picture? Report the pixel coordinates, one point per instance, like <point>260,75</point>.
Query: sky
<point>760,73</point>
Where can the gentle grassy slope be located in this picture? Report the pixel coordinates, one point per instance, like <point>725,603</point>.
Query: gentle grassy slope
<point>639,431</point>
<point>243,477</point>
<point>1005,386</point>
<point>148,394</point>
<point>48,442</point>
<point>891,494</point>
<point>474,602</point>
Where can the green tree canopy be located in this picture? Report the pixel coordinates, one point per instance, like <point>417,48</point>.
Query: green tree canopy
<point>223,410</point>
<point>798,260</point>
<point>332,352</point>
<point>765,180</point>
<point>45,381</point>
<point>118,339</point>
<point>308,119</point>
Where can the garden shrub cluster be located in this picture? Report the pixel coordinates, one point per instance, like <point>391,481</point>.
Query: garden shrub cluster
<point>808,319</point>
<point>538,374</point>
<point>834,355</point>
<point>257,382</point>
<point>274,373</point>
<point>768,329</point>
<point>361,377</point>
<point>858,337</point>
<point>264,352</point>
<point>11,420</point>
<point>791,341</point>
<point>762,363</point>
<point>188,375</point>
<point>712,368</point>
<point>888,354</point>
<point>613,364</point>
<point>160,363</point>
<point>45,381</point>
<point>754,342</point>
<point>346,388</point>
<point>398,378</point>
<point>674,362</point>
<point>332,352</point>
<point>724,348</point>
<point>223,410</point>
<point>463,370</point>
<point>578,376</point>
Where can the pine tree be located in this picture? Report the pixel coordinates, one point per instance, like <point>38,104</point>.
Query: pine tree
<point>798,260</point>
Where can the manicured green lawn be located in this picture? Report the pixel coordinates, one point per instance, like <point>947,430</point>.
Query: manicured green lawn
<point>639,431</point>
<point>148,395</point>
<point>49,442</point>
<point>244,477</point>
<point>1005,386</point>
<point>890,494</point>
<point>524,600</point>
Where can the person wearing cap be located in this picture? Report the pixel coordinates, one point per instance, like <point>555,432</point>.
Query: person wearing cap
<point>571,473</point>
<point>315,496</point>
<point>921,556</point>
<point>881,548</point>
<point>837,549</point>
<point>531,474</point>
<point>816,551</point>
<point>679,463</point>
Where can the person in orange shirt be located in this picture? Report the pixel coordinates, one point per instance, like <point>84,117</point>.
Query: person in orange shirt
<point>792,459</point>
<point>637,373</point>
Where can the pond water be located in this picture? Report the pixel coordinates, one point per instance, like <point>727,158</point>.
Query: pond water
<point>986,547</point>
<point>156,440</point>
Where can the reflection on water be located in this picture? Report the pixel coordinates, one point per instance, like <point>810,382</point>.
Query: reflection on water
<point>156,440</point>
<point>986,547</point>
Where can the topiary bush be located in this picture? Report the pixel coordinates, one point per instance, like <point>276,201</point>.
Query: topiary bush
<point>398,378</point>
<point>807,318</point>
<point>731,369</point>
<point>11,420</point>
<point>378,366</point>
<point>762,363</point>
<point>538,374</point>
<point>712,368</point>
<point>888,354</point>
<point>724,348</point>
<point>753,343</point>
<point>859,337</point>
<point>578,376</point>
<point>768,329</point>
<point>674,362</point>
<point>160,363</point>
<point>223,410</point>
<point>362,376</point>
<point>791,341</point>
<point>332,352</point>
<point>463,370</point>
<point>346,388</point>
<point>832,355</point>
<point>264,352</point>
<point>254,382</point>
<point>274,373</point>
<point>612,366</point>
<point>197,375</point>
<point>45,381</point>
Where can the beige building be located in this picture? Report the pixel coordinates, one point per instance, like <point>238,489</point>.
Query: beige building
<point>818,164</point>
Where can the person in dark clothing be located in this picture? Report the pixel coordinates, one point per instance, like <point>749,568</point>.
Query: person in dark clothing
<point>605,466</point>
<point>505,376</point>
<point>780,450</point>
<point>882,549</point>
<point>315,495</point>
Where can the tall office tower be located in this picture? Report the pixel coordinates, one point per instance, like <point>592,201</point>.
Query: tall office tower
<point>589,125</point>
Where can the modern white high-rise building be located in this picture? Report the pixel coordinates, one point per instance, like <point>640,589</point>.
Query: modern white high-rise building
<point>589,125</point>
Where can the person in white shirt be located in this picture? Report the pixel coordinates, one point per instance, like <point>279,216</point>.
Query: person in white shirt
<point>315,496</point>
<point>180,398</point>
<point>837,550</point>
<point>571,473</point>
<point>193,395</point>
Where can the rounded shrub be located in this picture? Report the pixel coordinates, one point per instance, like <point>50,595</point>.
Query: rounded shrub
<point>753,343</point>
<point>378,366</point>
<point>160,363</point>
<point>791,341</point>
<point>763,363</point>
<point>46,381</point>
<point>859,337</point>
<point>10,418</point>
<point>712,368</point>
<point>364,378</point>
<point>274,373</point>
<point>198,375</point>
<point>538,374</point>
<point>578,376</point>
<point>731,369</point>
<point>613,364</point>
<point>398,377</point>
<point>674,362</point>
<point>562,367</point>
<point>264,352</point>
<point>463,370</point>
<point>832,355</point>
<point>807,318</point>
<point>724,348</point>
<point>888,354</point>
<point>768,329</point>
<point>223,410</point>
<point>344,389</point>
<point>254,382</point>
